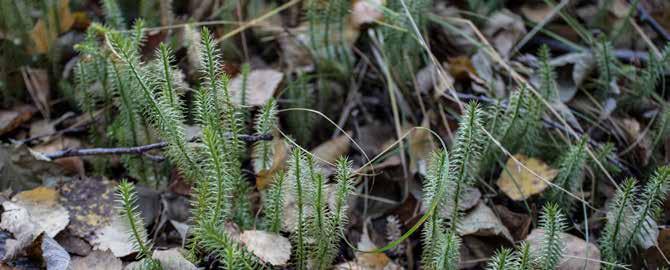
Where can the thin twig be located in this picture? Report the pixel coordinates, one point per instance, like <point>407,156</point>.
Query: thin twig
<point>646,18</point>
<point>136,150</point>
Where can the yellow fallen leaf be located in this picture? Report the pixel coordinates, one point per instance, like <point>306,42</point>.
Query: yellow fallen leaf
<point>333,149</point>
<point>264,177</point>
<point>518,183</point>
<point>43,36</point>
<point>421,146</point>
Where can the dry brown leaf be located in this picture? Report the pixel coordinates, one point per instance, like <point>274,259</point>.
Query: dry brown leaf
<point>43,37</point>
<point>461,67</point>
<point>172,259</point>
<point>536,12</point>
<point>11,119</point>
<point>578,254</point>
<point>519,183</point>
<point>366,11</point>
<point>505,29</point>
<point>269,247</point>
<point>37,84</point>
<point>43,207</point>
<point>483,222</point>
<point>261,85</point>
<point>102,260</point>
<point>421,146</point>
<point>368,260</point>
<point>280,150</point>
<point>333,149</point>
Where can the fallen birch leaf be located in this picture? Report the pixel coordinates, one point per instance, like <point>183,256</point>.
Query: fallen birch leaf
<point>333,149</point>
<point>114,237</point>
<point>90,202</point>
<point>578,254</point>
<point>44,210</point>
<point>483,222</point>
<point>269,247</point>
<point>261,85</point>
<point>518,183</point>
<point>280,149</point>
<point>505,29</point>
<point>368,260</point>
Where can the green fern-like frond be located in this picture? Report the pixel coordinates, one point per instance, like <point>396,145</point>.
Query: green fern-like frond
<point>301,188</point>
<point>504,259</point>
<point>163,116</point>
<point>274,203</point>
<point>607,64</point>
<point>266,122</point>
<point>649,205</point>
<point>525,258</point>
<point>465,156</point>
<point>547,87</point>
<point>449,255</point>
<point>551,249</point>
<point>619,224</point>
<point>113,16</point>
<point>232,255</point>
<point>570,175</point>
<point>436,199</point>
<point>128,209</point>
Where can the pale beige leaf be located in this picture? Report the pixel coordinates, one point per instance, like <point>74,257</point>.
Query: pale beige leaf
<point>421,146</point>
<point>114,237</point>
<point>42,205</point>
<point>366,11</point>
<point>16,220</point>
<point>261,85</point>
<point>504,28</point>
<point>482,221</point>
<point>333,149</point>
<point>578,254</point>
<point>269,247</point>
<point>519,183</point>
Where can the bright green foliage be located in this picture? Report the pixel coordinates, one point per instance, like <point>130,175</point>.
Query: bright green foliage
<point>297,176</point>
<point>441,245</point>
<point>649,206</point>
<point>328,42</point>
<point>551,249</point>
<point>113,16</point>
<point>230,253</point>
<point>266,122</point>
<point>607,65</point>
<point>435,197</point>
<point>504,259</point>
<point>548,89</point>
<point>128,209</point>
<point>274,203</point>
<point>570,175</point>
<point>618,226</point>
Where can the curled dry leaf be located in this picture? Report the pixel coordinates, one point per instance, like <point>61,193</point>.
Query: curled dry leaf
<point>366,11</point>
<point>261,85</point>
<point>269,247</point>
<point>505,29</point>
<point>536,12</point>
<point>578,254</point>
<point>518,183</point>
<point>333,149</point>
<point>280,149</point>
<point>13,118</point>
<point>482,221</point>
<point>421,146</point>
<point>44,210</point>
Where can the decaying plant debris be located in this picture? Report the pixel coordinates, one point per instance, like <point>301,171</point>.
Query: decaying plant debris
<point>308,134</point>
